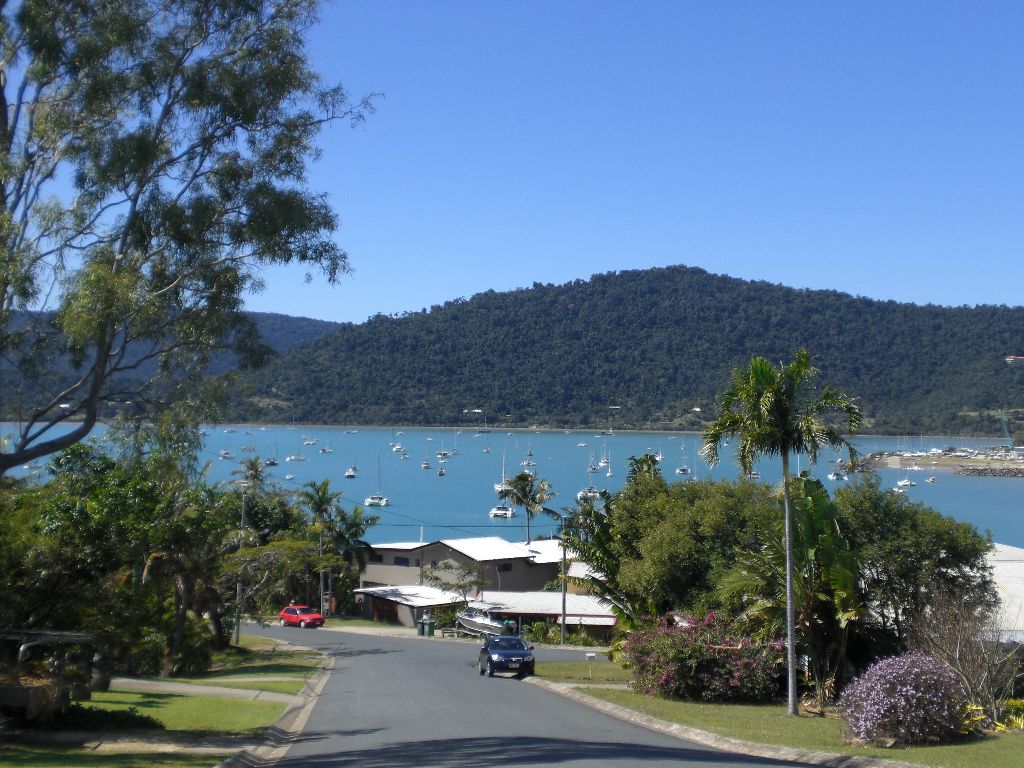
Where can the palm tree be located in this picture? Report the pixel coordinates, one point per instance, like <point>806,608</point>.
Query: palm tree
<point>825,576</point>
<point>345,534</point>
<point>775,411</point>
<point>526,491</point>
<point>321,502</point>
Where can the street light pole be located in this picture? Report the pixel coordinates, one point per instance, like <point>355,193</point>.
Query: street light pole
<point>238,582</point>
<point>561,541</point>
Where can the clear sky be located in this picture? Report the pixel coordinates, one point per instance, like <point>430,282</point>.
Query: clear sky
<point>874,148</point>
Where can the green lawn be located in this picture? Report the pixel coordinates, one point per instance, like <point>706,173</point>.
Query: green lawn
<point>581,671</point>
<point>256,658</point>
<point>30,756</point>
<point>769,724</point>
<point>193,714</point>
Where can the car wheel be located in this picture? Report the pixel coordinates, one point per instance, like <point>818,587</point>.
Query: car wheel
<point>284,623</point>
<point>490,668</point>
<point>302,624</point>
<point>480,667</point>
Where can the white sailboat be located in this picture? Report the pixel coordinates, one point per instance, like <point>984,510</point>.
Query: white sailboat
<point>378,499</point>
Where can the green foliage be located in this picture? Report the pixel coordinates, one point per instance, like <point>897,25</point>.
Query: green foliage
<point>153,164</point>
<point>907,551</point>
<point>657,343</point>
<point>825,574</point>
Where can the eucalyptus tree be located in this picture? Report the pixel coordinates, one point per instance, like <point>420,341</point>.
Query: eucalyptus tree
<point>526,490</point>
<point>777,411</point>
<point>153,160</point>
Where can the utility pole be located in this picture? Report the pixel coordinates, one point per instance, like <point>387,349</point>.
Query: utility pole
<point>238,583</point>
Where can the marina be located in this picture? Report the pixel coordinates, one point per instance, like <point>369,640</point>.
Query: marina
<point>459,503</point>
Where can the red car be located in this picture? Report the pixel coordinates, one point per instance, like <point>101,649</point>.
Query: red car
<point>300,616</point>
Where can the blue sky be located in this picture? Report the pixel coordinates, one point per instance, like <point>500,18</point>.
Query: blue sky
<point>872,148</point>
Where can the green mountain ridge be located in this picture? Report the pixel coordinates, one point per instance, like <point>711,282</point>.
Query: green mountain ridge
<point>655,344</point>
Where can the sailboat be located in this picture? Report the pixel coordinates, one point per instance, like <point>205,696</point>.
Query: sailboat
<point>350,473</point>
<point>378,499</point>
<point>505,484</point>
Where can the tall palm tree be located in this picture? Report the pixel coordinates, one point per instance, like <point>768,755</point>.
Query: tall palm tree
<point>321,502</point>
<point>530,493</point>
<point>776,411</point>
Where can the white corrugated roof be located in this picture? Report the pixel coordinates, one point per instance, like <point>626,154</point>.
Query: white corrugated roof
<point>413,595</point>
<point>1008,574</point>
<point>403,545</point>
<point>544,550</point>
<point>544,603</point>
<point>581,570</point>
<point>485,548</point>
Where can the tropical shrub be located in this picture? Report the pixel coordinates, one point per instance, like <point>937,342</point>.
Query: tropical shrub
<point>902,700</point>
<point>701,661</point>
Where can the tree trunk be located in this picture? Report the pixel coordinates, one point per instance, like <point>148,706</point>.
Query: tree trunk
<point>790,602</point>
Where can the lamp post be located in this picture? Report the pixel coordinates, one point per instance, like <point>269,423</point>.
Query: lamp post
<point>561,541</point>
<point>238,582</point>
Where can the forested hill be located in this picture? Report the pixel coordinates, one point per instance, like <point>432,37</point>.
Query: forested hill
<point>656,343</point>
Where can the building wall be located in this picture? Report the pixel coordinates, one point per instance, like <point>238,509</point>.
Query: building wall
<point>517,574</point>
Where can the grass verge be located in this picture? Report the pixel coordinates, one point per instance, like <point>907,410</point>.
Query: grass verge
<point>582,672</point>
<point>30,756</point>
<point>259,664</point>
<point>193,714</point>
<point>769,724</point>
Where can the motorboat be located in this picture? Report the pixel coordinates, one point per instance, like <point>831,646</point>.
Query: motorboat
<point>424,464</point>
<point>682,470</point>
<point>837,475</point>
<point>906,482</point>
<point>931,479</point>
<point>502,510</point>
<point>479,621</point>
<point>295,457</point>
<point>271,462</point>
<point>440,472</point>
<point>224,453</point>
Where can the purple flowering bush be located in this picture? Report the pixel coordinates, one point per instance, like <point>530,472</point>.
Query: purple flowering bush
<point>902,700</point>
<point>701,661</point>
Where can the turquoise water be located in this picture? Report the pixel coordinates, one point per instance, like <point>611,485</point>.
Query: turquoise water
<point>457,504</point>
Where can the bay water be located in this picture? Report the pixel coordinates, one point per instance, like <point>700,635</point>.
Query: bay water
<point>425,505</point>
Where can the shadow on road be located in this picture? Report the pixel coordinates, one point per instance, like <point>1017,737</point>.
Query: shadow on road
<point>461,753</point>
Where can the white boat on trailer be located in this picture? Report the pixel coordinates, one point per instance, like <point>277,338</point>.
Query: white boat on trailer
<point>479,621</point>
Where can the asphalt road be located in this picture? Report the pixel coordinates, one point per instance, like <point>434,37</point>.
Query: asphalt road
<point>418,702</point>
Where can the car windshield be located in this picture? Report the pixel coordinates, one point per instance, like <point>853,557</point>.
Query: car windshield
<point>305,610</point>
<point>509,643</point>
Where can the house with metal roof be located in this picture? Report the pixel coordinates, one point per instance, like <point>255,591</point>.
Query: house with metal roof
<point>504,565</point>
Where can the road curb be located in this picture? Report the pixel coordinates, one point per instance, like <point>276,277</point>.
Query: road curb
<point>715,741</point>
<point>282,734</point>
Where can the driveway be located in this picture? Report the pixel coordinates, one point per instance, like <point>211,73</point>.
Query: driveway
<point>393,701</point>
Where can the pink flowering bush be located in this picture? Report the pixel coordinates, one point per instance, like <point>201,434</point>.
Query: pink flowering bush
<point>909,699</point>
<point>701,661</point>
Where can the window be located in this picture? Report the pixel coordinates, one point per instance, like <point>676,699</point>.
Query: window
<point>505,567</point>
<point>401,560</point>
<point>376,557</point>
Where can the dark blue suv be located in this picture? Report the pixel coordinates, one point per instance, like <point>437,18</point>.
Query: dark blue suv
<point>504,653</point>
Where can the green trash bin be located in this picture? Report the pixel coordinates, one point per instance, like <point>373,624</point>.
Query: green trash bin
<point>421,628</point>
<point>429,628</point>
